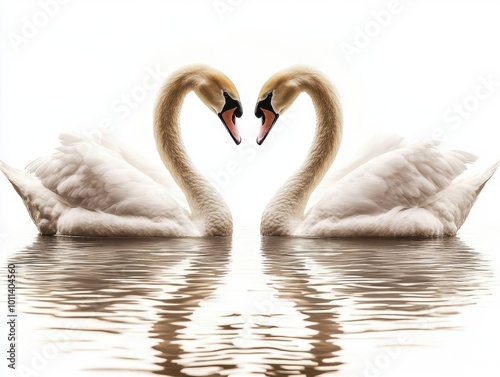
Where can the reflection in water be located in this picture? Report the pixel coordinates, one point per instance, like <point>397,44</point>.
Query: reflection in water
<point>116,290</point>
<point>193,307</point>
<point>351,286</point>
<point>382,280</point>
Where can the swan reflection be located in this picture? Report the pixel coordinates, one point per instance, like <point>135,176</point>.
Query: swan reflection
<point>379,281</point>
<point>193,307</point>
<point>115,291</point>
<point>243,327</point>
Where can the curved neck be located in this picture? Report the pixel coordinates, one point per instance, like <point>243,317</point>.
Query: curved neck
<point>286,208</point>
<point>208,209</point>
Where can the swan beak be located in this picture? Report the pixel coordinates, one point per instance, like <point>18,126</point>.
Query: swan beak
<point>231,110</point>
<point>265,111</point>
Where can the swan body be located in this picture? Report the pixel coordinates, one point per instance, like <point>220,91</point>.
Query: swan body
<point>392,190</point>
<point>96,187</point>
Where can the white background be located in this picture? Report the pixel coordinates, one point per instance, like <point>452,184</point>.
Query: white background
<point>427,57</point>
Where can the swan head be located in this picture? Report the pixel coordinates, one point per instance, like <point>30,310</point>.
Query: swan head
<point>219,94</point>
<point>275,97</point>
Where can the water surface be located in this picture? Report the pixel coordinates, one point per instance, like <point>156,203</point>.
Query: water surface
<point>252,306</point>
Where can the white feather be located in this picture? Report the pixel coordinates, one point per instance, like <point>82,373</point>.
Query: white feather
<point>412,190</point>
<point>93,188</point>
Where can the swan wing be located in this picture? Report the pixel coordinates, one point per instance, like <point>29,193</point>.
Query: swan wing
<point>155,171</point>
<point>374,147</point>
<point>89,174</point>
<point>404,181</point>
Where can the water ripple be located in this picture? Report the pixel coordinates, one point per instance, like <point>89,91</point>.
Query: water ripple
<point>217,307</point>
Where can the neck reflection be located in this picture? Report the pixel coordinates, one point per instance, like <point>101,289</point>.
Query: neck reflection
<point>209,306</point>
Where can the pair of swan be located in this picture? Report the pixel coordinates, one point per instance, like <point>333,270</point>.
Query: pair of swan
<point>105,190</point>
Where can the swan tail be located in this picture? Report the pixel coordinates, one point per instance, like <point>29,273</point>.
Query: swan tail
<point>42,204</point>
<point>480,180</point>
<point>456,201</point>
<point>17,178</point>
<point>465,157</point>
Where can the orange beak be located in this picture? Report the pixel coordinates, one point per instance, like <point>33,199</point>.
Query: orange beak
<point>265,111</point>
<point>229,119</point>
<point>232,109</point>
<point>268,120</point>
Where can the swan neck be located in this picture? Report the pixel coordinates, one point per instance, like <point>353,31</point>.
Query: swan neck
<point>207,206</point>
<point>288,205</point>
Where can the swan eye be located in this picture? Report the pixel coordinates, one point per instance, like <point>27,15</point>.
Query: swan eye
<point>225,94</point>
<point>270,95</point>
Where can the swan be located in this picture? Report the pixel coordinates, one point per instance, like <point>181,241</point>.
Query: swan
<point>392,190</point>
<point>91,186</point>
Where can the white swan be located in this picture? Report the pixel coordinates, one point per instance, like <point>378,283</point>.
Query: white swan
<point>94,187</point>
<point>393,190</point>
